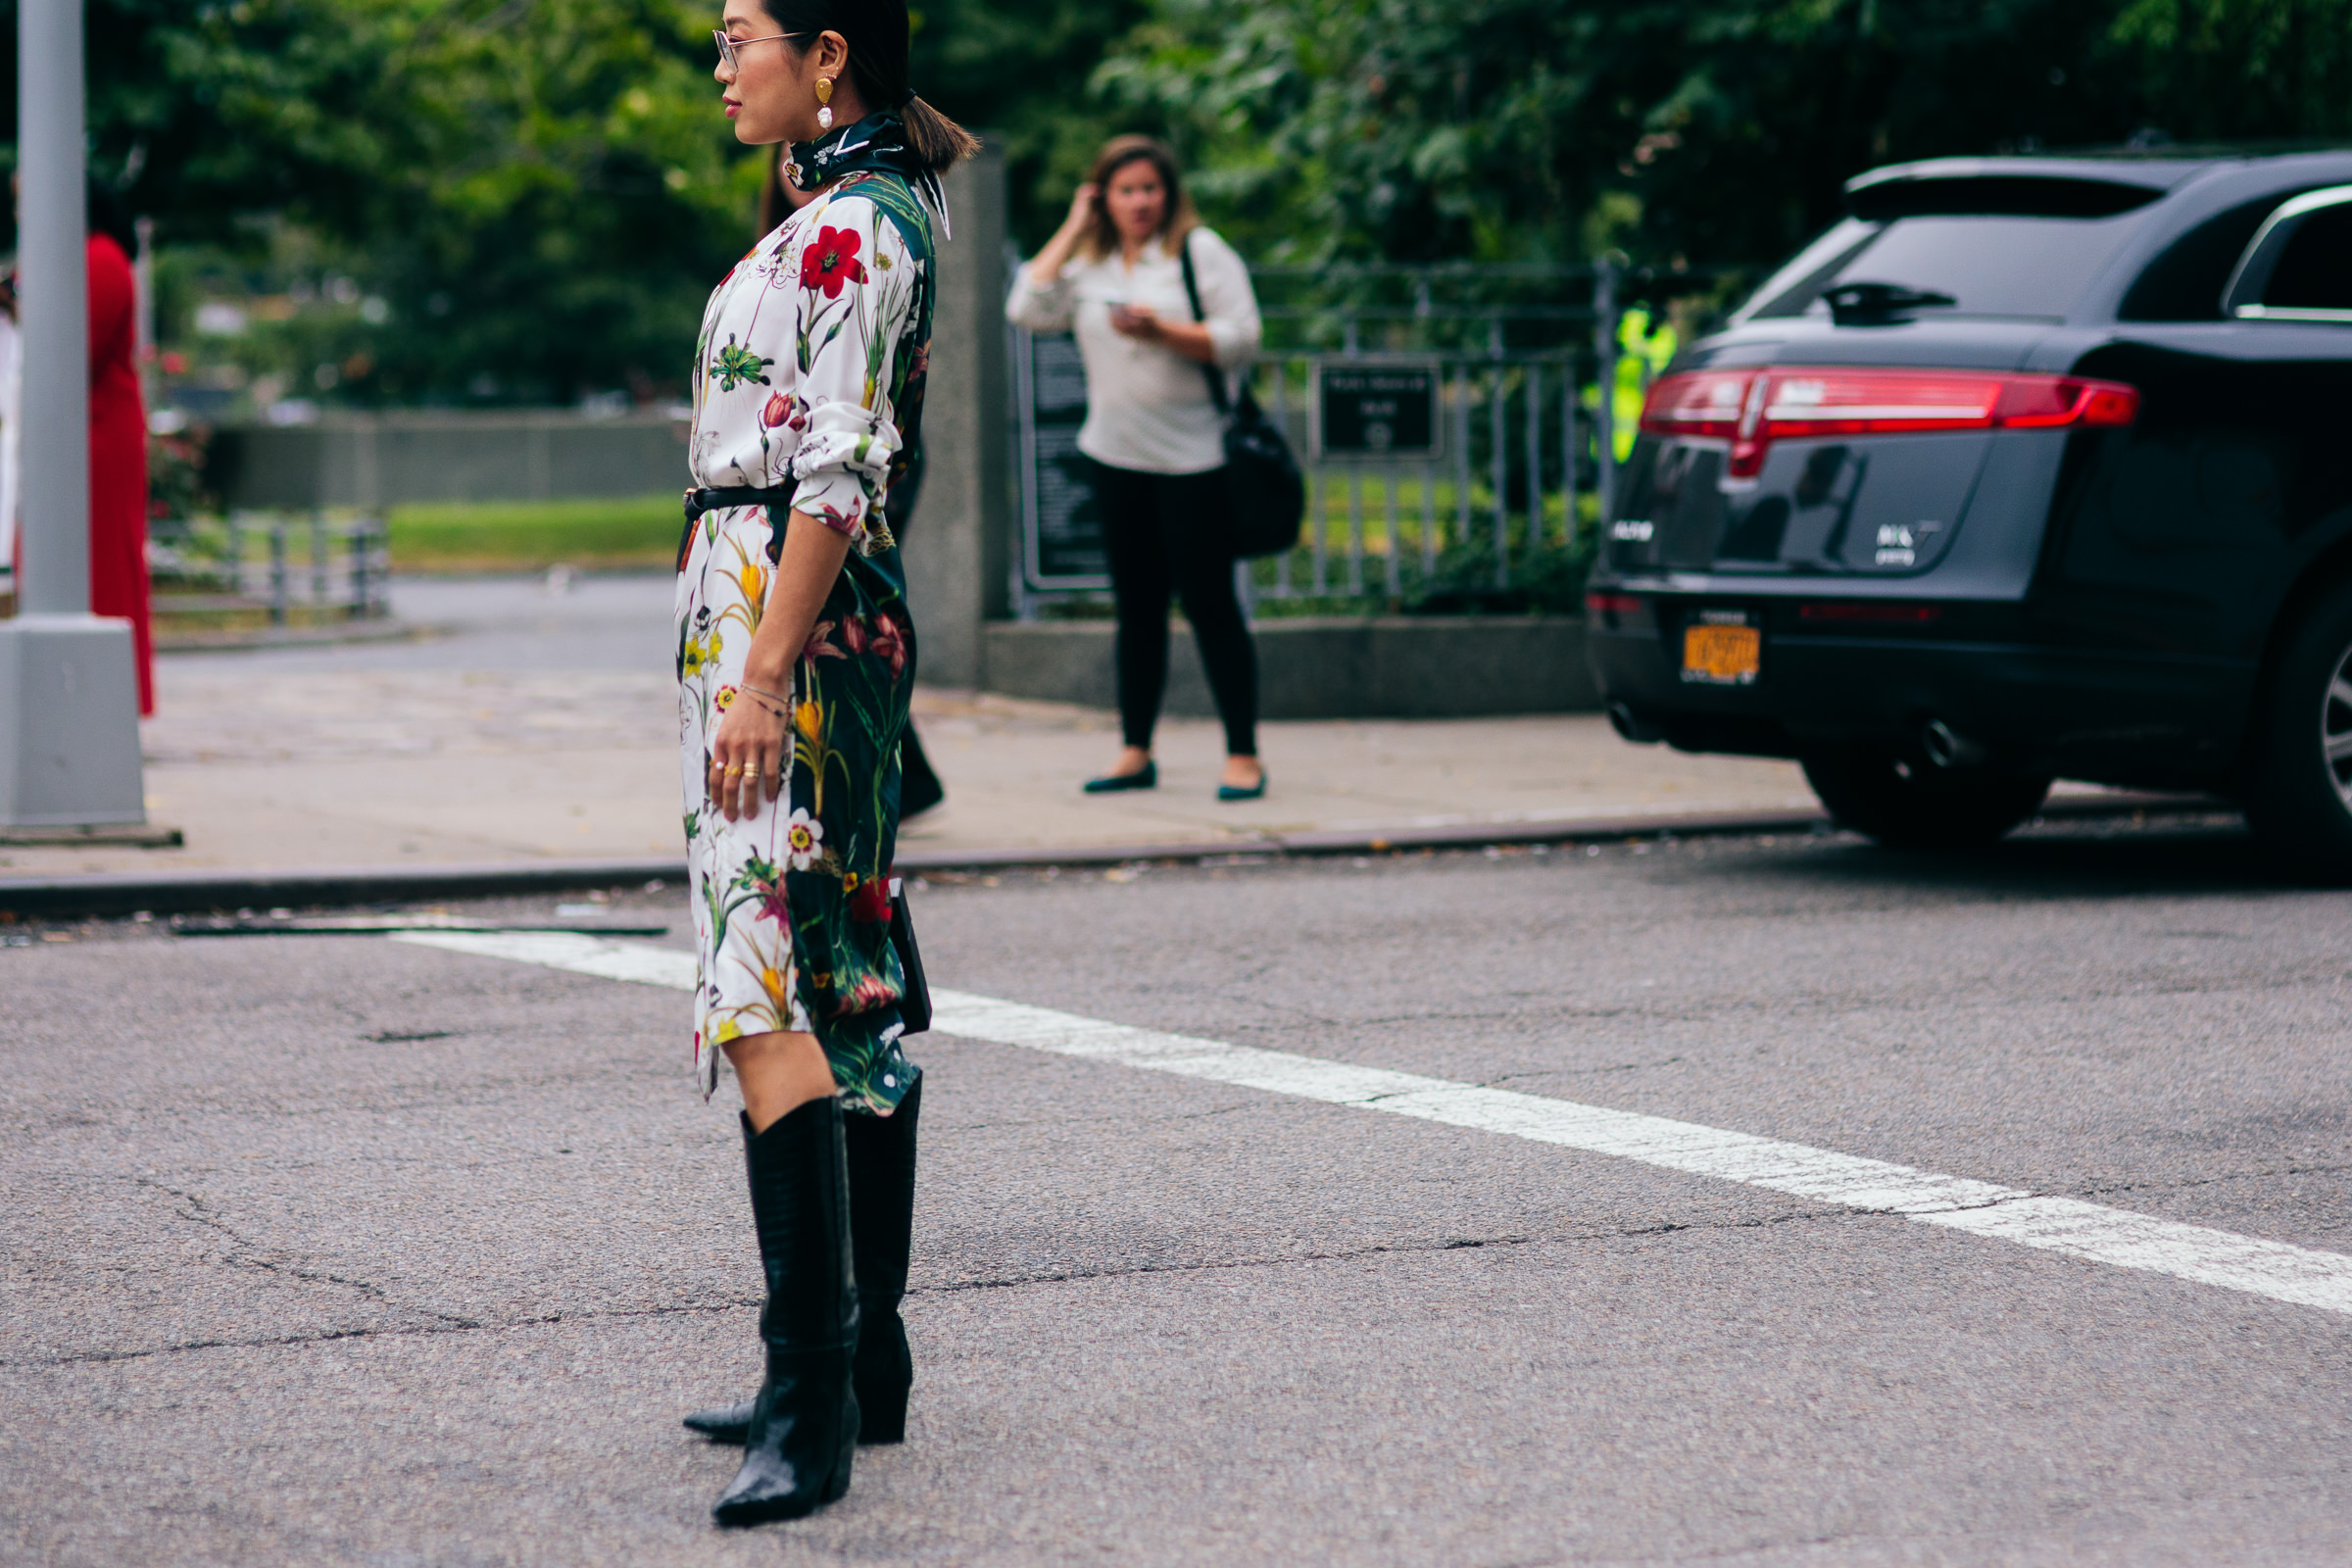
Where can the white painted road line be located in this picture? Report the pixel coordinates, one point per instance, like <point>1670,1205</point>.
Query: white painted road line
<point>2300,1275</point>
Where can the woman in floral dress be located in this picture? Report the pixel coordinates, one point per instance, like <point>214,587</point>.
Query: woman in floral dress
<point>795,660</point>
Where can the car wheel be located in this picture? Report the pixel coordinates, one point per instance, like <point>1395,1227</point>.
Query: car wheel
<point>2299,802</point>
<point>1909,805</point>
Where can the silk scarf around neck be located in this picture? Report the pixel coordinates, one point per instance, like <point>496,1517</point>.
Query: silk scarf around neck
<point>876,143</point>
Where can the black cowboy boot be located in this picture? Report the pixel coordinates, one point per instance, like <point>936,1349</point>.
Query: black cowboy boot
<point>881,1159</point>
<point>881,1152</point>
<point>803,1423</point>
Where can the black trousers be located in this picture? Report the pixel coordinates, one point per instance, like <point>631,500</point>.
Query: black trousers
<point>1166,533</point>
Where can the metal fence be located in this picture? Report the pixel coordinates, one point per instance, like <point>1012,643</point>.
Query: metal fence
<point>1542,371</point>
<point>315,566</point>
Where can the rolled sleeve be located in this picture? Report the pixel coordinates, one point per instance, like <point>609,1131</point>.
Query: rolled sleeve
<point>842,469</point>
<point>853,327</point>
<point>1041,307</point>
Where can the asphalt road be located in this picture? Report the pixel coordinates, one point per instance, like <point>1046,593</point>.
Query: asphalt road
<point>336,1250</point>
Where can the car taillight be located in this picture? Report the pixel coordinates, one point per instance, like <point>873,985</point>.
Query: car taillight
<point>1753,409</point>
<point>1605,603</point>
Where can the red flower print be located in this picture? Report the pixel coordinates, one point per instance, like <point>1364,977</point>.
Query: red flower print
<point>870,902</point>
<point>778,408</point>
<point>853,632</point>
<point>870,992</point>
<point>887,639</point>
<point>817,647</point>
<point>831,261</point>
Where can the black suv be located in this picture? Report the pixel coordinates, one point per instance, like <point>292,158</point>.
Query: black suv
<point>2028,467</point>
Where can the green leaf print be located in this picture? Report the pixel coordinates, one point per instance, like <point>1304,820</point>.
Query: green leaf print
<point>736,365</point>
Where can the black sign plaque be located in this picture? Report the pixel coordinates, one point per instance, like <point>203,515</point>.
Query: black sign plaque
<point>1061,524</point>
<point>1377,410</point>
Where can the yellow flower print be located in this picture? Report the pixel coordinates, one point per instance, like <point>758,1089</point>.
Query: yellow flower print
<point>753,578</point>
<point>809,719</point>
<point>724,700</point>
<point>700,653</point>
<point>727,1029</point>
<point>771,981</point>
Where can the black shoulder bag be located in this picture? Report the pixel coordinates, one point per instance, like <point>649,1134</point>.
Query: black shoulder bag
<point>914,1008</point>
<point>1268,494</point>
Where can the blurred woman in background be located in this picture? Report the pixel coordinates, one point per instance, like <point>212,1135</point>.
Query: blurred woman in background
<point>1117,273</point>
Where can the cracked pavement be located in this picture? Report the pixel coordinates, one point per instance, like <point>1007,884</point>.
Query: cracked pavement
<point>332,1249</point>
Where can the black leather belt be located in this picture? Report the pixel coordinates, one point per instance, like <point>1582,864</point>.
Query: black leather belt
<point>699,501</point>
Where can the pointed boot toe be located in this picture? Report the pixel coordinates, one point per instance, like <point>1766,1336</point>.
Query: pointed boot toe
<point>799,1452</point>
<point>722,1423</point>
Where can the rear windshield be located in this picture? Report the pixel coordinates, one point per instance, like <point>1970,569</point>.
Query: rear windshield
<point>1989,264</point>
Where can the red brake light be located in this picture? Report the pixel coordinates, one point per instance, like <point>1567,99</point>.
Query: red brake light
<point>1700,403</point>
<point>1604,604</point>
<point>1753,409</point>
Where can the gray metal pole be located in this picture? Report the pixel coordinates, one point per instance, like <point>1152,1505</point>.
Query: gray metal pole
<point>1604,351</point>
<point>69,681</point>
<point>51,244</point>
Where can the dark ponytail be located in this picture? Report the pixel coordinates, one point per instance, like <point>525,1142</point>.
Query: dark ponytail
<point>936,139</point>
<point>876,31</point>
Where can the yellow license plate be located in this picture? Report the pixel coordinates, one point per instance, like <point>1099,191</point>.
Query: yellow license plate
<point>1723,656</point>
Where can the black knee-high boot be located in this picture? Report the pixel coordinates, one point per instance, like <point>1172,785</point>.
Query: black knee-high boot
<point>881,1154</point>
<point>803,1423</point>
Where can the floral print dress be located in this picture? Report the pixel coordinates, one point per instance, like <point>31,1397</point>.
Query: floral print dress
<point>808,377</point>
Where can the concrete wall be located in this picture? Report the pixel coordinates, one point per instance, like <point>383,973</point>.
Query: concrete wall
<point>381,460</point>
<point>1393,666</point>
<point>956,548</point>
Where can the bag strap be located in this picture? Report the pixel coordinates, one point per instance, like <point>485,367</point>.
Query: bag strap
<point>1217,392</point>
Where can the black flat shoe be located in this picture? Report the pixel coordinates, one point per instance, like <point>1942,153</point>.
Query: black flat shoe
<point>1112,783</point>
<point>1243,792</point>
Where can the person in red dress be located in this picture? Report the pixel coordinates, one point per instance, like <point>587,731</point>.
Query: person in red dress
<point>117,439</point>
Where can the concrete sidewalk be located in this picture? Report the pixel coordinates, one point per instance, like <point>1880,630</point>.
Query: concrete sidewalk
<point>539,727</point>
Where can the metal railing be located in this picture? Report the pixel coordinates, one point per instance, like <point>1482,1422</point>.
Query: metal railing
<point>316,565</point>
<point>1542,369</point>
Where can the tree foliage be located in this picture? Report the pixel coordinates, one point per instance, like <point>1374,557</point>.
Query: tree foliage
<point>1534,129</point>
<point>541,193</point>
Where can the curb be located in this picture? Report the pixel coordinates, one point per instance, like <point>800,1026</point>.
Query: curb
<point>352,633</point>
<point>189,892</point>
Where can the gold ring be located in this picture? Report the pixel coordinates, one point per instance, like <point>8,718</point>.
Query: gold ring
<point>732,768</point>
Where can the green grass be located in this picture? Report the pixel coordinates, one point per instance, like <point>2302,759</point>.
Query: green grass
<point>453,536</point>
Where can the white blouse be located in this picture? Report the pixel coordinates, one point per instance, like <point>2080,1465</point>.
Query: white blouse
<point>804,346</point>
<point>1147,407</point>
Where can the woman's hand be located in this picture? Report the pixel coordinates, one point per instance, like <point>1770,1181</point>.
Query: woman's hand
<point>747,754</point>
<point>1188,338</point>
<point>1046,268</point>
<point>1137,321</point>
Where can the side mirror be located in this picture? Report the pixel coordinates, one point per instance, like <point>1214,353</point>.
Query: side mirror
<point>2312,237</point>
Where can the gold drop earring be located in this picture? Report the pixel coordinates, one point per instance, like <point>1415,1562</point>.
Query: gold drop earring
<point>824,103</point>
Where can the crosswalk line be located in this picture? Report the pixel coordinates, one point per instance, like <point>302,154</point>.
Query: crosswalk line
<point>2298,1275</point>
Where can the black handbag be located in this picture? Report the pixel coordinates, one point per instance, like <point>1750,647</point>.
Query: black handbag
<point>1268,494</point>
<point>914,1008</point>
